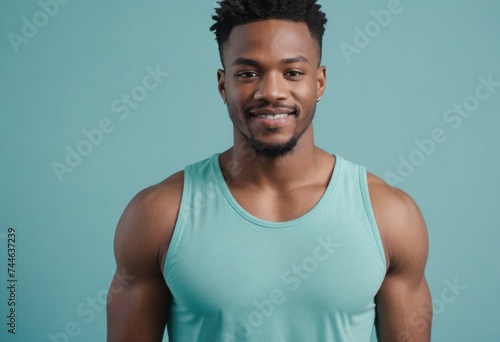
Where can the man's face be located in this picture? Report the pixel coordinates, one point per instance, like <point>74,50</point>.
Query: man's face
<point>271,83</point>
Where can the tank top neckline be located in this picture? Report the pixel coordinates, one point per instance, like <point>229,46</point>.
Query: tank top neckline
<point>215,164</point>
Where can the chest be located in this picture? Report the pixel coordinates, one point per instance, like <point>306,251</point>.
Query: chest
<point>279,206</point>
<point>325,268</point>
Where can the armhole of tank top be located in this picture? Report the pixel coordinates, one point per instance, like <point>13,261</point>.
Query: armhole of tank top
<point>179,224</point>
<point>363,180</point>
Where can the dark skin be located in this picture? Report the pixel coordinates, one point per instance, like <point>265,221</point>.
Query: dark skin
<point>272,67</point>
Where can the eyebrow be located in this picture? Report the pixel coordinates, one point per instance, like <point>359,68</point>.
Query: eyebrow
<point>245,61</point>
<point>254,63</point>
<point>298,59</point>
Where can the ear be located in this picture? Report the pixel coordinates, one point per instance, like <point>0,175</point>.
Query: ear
<point>321,79</point>
<point>221,79</point>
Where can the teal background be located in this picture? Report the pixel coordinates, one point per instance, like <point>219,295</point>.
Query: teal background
<point>393,92</point>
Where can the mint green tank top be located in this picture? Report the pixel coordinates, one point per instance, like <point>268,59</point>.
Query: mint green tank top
<point>235,277</point>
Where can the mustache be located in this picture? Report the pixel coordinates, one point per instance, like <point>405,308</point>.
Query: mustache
<point>249,109</point>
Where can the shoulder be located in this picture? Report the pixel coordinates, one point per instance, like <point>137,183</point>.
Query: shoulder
<point>146,226</point>
<point>160,201</point>
<point>396,201</point>
<point>401,225</point>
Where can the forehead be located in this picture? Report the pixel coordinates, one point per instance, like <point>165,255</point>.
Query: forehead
<point>271,40</point>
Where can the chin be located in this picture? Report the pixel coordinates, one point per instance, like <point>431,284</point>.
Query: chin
<point>274,150</point>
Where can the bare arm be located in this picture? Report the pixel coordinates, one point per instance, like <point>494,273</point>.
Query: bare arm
<point>138,299</point>
<point>404,306</point>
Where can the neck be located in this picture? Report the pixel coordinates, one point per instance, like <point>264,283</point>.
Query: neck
<point>243,166</point>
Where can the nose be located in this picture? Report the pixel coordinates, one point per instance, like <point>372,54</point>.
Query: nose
<point>271,88</point>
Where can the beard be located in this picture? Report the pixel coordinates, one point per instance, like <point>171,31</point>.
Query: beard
<point>273,151</point>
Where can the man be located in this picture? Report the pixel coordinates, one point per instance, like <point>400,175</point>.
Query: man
<point>274,239</point>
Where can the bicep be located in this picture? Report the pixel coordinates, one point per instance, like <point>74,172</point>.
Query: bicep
<point>404,305</point>
<point>137,309</point>
<point>404,310</point>
<point>138,299</point>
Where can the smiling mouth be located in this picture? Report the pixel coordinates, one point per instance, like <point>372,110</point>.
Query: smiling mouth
<point>273,117</point>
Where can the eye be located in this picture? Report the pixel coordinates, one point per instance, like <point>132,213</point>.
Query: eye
<point>247,74</point>
<point>294,73</point>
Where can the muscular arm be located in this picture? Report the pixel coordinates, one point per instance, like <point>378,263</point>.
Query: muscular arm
<point>139,298</point>
<point>404,307</point>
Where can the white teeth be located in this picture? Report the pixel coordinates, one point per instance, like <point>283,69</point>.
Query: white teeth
<point>273,117</point>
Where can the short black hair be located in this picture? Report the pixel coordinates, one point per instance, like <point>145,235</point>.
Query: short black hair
<point>232,13</point>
